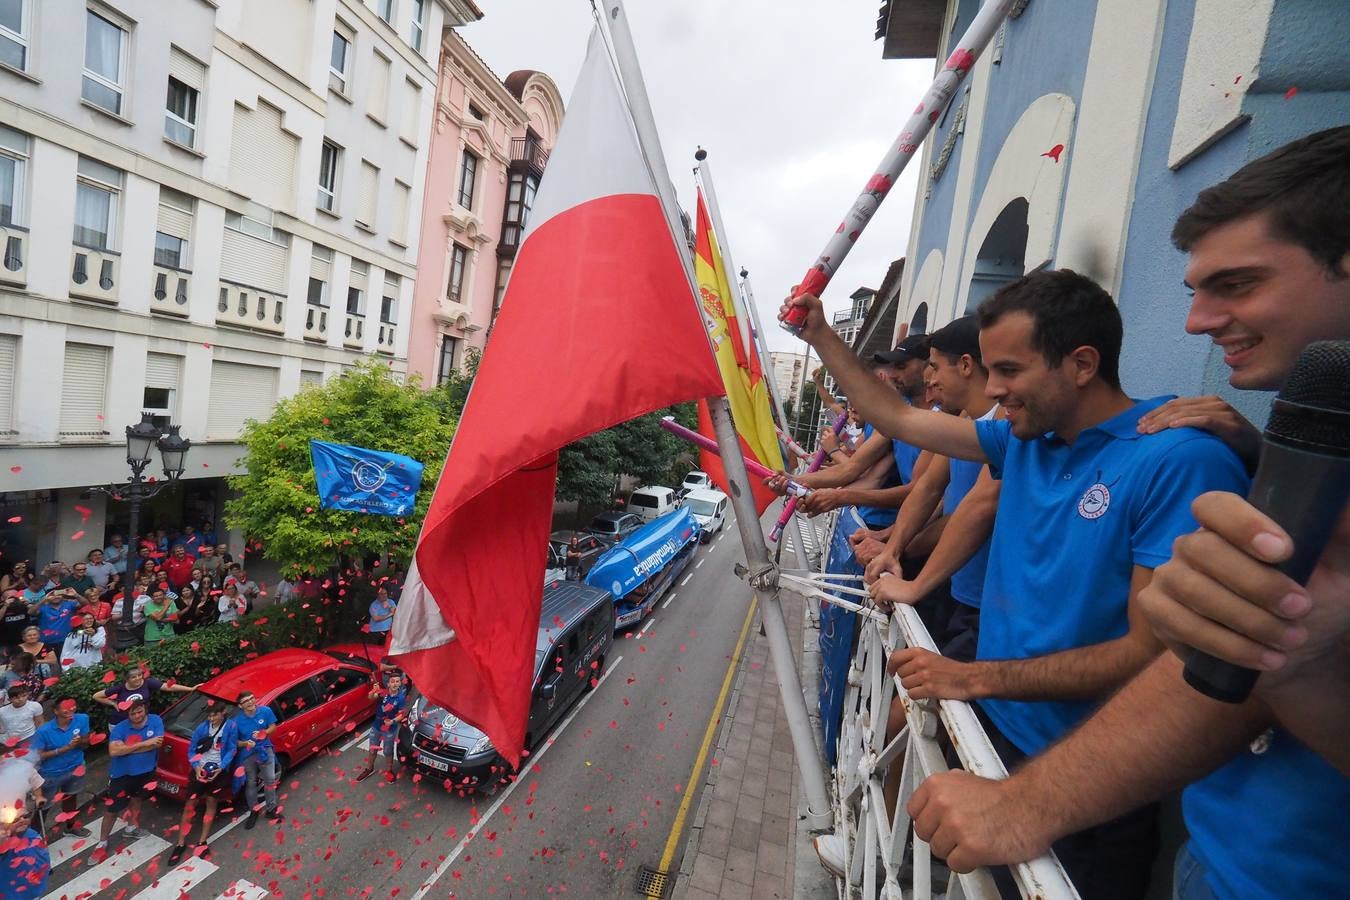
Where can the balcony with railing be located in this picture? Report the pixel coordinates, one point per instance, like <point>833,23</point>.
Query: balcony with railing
<point>248,307</point>
<point>14,247</point>
<point>94,273</point>
<point>354,334</point>
<point>388,336</point>
<point>529,152</point>
<point>170,294</point>
<point>842,316</point>
<point>316,323</point>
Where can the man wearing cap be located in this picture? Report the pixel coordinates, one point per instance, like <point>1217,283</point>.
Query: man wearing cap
<point>133,748</point>
<point>59,748</point>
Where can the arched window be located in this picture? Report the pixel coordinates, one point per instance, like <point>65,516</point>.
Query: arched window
<point>918,324</point>
<point>1002,256</point>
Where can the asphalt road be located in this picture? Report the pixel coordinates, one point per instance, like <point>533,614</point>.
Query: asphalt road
<point>596,802</point>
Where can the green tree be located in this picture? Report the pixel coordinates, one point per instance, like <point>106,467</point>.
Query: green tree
<point>588,469</point>
<point>277,504</point>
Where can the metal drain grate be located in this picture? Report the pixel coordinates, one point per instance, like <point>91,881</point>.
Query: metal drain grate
<point>652,882</point>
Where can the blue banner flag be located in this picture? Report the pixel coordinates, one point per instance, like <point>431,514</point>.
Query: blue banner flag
<point>361,480</point>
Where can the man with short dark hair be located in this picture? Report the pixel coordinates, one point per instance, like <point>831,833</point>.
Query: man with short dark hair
<point>254,725</point>
<point>133,748</point>
<point>79,579</point>
<point>59,748</point>
<point>104,573</point>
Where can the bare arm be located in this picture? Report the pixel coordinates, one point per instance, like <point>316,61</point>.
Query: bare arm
<point>851,468</point>
<point>826,397</point>
<point>915,514</point>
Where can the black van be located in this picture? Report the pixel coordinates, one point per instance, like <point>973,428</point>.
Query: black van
<point>576,629</point>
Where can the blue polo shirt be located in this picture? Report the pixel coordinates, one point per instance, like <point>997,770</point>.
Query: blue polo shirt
<point>967,584</point>
<point>1073,522</point>
<point>1272,824</point>
<point>51,736</point>
<point>881,516</point>
<point>54,621</point>
<point>248,726</point>
<point>142,763</point>
<point>24,867</point>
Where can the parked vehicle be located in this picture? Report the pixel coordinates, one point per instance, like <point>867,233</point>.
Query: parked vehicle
<point>696,480</point>
<point>651,503</point>
<point>590,546</point>
<point>315,694</point>
<point>568,658</point>
<point>641,569</point>
<point>709,509</point>
<point>613,526</point>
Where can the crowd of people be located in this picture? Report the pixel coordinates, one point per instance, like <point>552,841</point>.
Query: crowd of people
<point>1067,544</point>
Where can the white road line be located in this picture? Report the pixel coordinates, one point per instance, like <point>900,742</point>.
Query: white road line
<point>70,845</point>
<point>178,881</point>
<point>699,564</point>
<point>125,861</point>
<point>244,890</point>
<point>482,823</point>
<point>668,599</point>
<point>643,631</point>
<point>686,578</point>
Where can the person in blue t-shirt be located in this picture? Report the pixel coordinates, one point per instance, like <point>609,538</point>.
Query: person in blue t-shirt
<point>133,748</point>
<point>59,747</point>
<point>391,701</point>
<point>1088,508</point>
<point>25,861</point>
<point>1265,806</point>
<point>53,617</point>
<point>254,725</point>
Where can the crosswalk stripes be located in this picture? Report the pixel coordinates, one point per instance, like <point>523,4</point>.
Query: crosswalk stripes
<point>179,880</point>
<point>123,862</point>
<point>244,890</point>
<point>71,846</point>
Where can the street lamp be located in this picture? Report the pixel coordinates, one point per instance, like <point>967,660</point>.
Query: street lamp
<point>142,438</point>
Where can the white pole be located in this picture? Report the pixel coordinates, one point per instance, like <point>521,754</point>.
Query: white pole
<point>820,813</point>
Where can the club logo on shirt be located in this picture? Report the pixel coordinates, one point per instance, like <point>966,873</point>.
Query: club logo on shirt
<point>1095,501</point>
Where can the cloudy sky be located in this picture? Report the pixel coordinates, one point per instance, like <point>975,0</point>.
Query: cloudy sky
<point>795,113</point>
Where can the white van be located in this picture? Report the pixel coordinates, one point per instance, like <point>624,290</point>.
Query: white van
<point>696,479</point>
<point>649,503</point>
<point>709,509</point>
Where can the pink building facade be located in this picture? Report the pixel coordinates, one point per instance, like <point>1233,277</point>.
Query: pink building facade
<point>489,146</point>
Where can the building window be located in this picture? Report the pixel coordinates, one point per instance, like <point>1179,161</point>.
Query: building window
<point>377,92</point>
<point>476,113</point>
<point>468,173</point>
<point>84,391</point>
<point>398,231</point>
<point>445,367</point>
<point>389,302</point>
<point>370,191</point>
<point>96,194</point>
<point>318,292</point>
<point>385,9</point>
<point>320,270</point>
<point>459,261</point>
<point>519,200</point>
<point>105,49</point>
<point>162,375</point>
<point>329,160</point>
<point>13,168</point>
<point>356,289</point>
<point>340,58</point>
<point>419,27</point>
<point>180,115</point>
<point>15,21</point>
<point>170,251</point>
<point>499,293</point>
<point>412,108</point>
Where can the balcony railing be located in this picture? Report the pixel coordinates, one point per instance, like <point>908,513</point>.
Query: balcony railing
<point>530,152</point>
<point>353,336</point>
<point>316,323</point>
<point>844,315</point>
<point>93,273</point>
<point>170,295</point>
<point>14,254</point>
<point>248,307</point>
<point>388,335</point>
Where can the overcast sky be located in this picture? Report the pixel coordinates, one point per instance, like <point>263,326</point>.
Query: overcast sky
<point>794,110</point>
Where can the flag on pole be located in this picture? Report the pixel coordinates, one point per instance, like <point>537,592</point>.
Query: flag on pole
<point>742,376</point>
<point>361,480</point>
<point>598,326</point>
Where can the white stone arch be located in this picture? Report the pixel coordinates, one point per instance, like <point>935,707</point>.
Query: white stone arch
<point>1026,167</point>
<point>924,289</point>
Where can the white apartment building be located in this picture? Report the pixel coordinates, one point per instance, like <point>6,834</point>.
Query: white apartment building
<point>204,206</point>
<point>788,372</point>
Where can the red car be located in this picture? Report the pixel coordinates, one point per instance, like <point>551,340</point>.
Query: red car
<point>314,694</point>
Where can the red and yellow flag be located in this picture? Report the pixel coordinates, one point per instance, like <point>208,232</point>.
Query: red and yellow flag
<point>747,391</point>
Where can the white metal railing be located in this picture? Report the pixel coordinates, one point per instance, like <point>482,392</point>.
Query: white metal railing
<point>876,841</point>
<point>248,307</point>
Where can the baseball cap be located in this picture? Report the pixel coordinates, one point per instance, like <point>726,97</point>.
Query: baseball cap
<point>958,338</point>
<point>913,347</point>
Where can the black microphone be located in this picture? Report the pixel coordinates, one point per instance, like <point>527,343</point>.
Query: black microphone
<point>1302,483</point>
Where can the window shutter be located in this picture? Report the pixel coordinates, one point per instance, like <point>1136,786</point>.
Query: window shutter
<point>238,393</point>
<point>253,262</point>
<point>399,230</point>
<point>412,110</point>
<point>163,370</point>
<point>186,69</point>
<point>84,389</point>
<point>175,213</point>
<point>9,356</point>
<point>370,189</point>
<point>377,98</point>
<point>307,377</point>
<point>262,156</point>
<point>321,267</point>
<point>360,276</point>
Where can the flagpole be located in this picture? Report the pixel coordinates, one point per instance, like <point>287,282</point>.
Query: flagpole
<point>763,574</point>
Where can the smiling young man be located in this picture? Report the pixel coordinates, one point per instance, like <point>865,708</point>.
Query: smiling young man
<point>1088,508</point>
<point>1270,267</point>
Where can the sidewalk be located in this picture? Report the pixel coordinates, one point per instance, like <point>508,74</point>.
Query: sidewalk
<point>746,840</point>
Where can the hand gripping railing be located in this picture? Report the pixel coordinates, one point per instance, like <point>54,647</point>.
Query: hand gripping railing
<point>865,756</point>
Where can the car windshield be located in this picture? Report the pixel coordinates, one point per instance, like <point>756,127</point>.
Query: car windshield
<point>701,507</point>
<point>642,500</point>
<point>182,718</point>
<point>360,660</point>
<point>604,526</point>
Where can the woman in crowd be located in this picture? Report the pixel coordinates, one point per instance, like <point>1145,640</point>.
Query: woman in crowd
<point>13,621</point>
<point>85,644</point>
<point>232,604</point>
<point>17,579</point>
<point>44,661</point>
<point>195,609</point>
<point>95,607</point>
<point>160,615</point>
<point>21,671</point>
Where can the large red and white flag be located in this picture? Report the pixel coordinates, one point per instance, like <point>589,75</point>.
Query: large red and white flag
<point>598,325</point>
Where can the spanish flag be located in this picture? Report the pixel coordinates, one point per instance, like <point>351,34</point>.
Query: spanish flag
<point>747,392</point>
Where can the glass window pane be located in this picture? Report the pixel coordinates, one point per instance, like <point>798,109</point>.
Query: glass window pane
<point>182,101</point>
<point>103,48</point>
<point>315,297</point>
<point>12,53</point>
<point>176,131</point>
<point>353,301</point>
<point>93,216</point>
<point>169,250</point>
<point>11,176</point>
<point>11,15</point>
<point>156,398</point>
<point>338,59</point>
<point>100,94</point>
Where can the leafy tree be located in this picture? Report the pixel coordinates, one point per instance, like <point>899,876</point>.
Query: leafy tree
<point>588,468</point>
<point>277,504</point>
<point>454,392</point>
<point>804,423</point>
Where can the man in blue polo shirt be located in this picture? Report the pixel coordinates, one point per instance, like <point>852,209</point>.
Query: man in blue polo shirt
<point>254,725</point>
<point>1088,507</point>
<point>133,749</point>
<point>59,746</point>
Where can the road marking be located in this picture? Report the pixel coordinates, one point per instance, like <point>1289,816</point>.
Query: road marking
<point>482,822</point>
<point>682,813</point>
<point>123,862</point>
<point>668,599</point>
<point>69,845</point>
<point>687,577</point>
<point>175,883</point>
<point>649,624</point>
<point>699,564</point>
<point>244,890</point>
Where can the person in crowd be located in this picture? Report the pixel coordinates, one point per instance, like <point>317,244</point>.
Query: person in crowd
<point>141,597</point>
<point>254,725</point>
<point>25,862</point>
<point>1083,493</point>
<point>136,684</point>
<point>160,541</point>
<point>19,719</point>
<point>248,588</point>
<point>84,645</point>
<point>223,551</point>
<point>95,607</point>
<point>22,671</point>
<point>231,606</point>
<point>1270,269</point>
<point>208,533</point>
<point>79,579</point>
<point>45,663</point>
<point>284,591</point>
<point>16,579</point>
<point>133,748</point>
<point>195,610</point>
<point>385,671</point>
<point>54,573</point>
<point>211,753</point>
<point>209,561</point>
<point>53,616</point>
<point>115,554</point>
<point>59,746</point>
<point>35,590</point>
<point>103,572</point>
<point>573,558</point>
<point>178,567</point>
<point>160,615</point>
<point>13,621</point>
<point>381,615</point>
<point>190,541</point>
<point>390,712</point>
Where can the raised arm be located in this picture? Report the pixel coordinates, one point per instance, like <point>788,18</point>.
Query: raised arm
<point>923,499</point>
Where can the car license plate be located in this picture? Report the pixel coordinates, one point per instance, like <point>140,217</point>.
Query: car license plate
<point>168,787</point>
<point>434,764</point>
